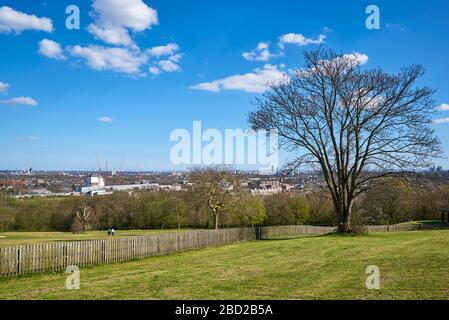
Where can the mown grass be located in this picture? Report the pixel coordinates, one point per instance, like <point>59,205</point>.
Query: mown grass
<point>13,238</point>
<point>413,265</point>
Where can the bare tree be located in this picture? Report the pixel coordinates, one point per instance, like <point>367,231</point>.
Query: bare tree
<point>84,215</point>
<point>213,189</point>
<point>355,124</point>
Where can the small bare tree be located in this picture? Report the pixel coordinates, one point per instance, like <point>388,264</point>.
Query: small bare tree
<point>212,188</point>
<point>84,215</point>
<point>355,124</point>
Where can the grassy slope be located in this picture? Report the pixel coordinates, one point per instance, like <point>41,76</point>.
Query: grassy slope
<point>413,265</point>
<point>13,238</point>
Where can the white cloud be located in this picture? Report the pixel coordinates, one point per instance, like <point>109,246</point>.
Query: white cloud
<point>441,107</point>
<point>121,60</point>
<point>255,82</point>
<point>168,66</point>
<point>129,60</point>
<point>114,19</point>
<point>20,100</point>
<point>51,49</point>
<point>135,15</point>
<point>175,57</point>
<point>354,58</point>
<point>261,53</point>
<point>214,86</point>
<point>441,120</point>
<point>166,50</point>
<point>105,119</point>
<point>359,58</point>
<point>351,59</point>
<point>30,138</point>
<point>299,39</point>
<point>154,70</point>
<point>111,35</point>
<point>4,86</point>
<point>114,23</point>
<point>12,21</point>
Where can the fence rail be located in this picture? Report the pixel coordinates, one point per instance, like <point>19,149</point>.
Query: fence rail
<point>56,256</point>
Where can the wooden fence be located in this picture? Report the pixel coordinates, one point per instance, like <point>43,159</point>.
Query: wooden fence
<point>56,256</point>
<point>281,231</point>
<point>405,227</point>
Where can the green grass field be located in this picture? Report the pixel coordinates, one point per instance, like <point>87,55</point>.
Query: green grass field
<point>413,265</point>
<point>13,238</point>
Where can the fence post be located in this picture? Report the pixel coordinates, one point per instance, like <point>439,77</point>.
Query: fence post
<point>18,260</point>
<point>65,256</point>
<point>103,249</point>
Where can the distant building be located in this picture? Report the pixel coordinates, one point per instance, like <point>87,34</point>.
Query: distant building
<point>95,185</point>
<point>95,181</point>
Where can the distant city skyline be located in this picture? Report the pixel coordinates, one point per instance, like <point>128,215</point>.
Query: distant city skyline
<point>126,79</point>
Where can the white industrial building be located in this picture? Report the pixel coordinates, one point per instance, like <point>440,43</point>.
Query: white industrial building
<point>95,185</point>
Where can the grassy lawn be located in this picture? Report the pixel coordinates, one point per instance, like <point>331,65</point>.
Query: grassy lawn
<point>13,238</point>
<point>413,265</point>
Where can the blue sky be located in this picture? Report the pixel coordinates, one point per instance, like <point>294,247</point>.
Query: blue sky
<point>53,93</point>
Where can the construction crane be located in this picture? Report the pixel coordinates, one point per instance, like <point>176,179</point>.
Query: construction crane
<point>106,174</point>
<point>99,165</point>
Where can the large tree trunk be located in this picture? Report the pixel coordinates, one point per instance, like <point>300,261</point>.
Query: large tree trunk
<point>344,226</point>
<point>344,215</point>
<point>216,221</point>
